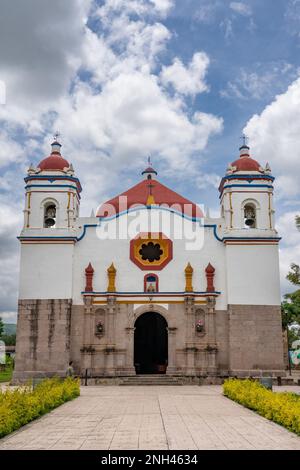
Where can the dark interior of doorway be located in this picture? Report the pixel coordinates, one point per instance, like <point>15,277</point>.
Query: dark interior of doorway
<point>151,344</point>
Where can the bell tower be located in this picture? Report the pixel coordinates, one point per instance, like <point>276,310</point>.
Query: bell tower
<point>52,198</point>
<point>246,197</point>
<point>252,264</point>
<point>48,241</point>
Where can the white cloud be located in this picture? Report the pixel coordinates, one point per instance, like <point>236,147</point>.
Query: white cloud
<point>162,6</point>
<point>9,317</point>
<point>206,12</point>
<point>40,44</point>
<point>101,88</point>
<point>188,80</point>
<point>242,8</point>
<point>286,227</point>
<point>289,247</point>
<point>274,137</point>
<point>265,81</point>
<point>227,26</point>
<point>205,180</point>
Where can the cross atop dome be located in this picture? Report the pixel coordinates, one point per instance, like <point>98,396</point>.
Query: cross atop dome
<point>56,146</point>
<point>244,149</point>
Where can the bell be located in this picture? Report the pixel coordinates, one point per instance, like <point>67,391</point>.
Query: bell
<point>250,222</point>
<point>49,222</point>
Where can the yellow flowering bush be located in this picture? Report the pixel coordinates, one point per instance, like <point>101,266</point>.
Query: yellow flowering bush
<point>22,405</point>
<point>282,408</point>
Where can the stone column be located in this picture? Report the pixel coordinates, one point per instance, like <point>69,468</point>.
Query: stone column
<point>190,335</point>
<point>86,350</point>
<point>130,369</point>
<point>211,348</point>
<point>171,350</point>
<point>111,311</point>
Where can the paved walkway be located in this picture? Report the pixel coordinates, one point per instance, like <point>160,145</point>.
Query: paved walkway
<point>169,417</point>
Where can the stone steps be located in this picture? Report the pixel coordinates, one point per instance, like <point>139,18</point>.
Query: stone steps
<point>151,380</point>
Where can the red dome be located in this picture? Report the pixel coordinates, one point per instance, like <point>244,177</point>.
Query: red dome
<point>246,164</point>
<point>53,162</point>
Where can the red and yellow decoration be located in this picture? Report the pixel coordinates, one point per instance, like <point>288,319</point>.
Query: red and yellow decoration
<point>89,273</point>
<point>189,278</point>
<point>151,251</point>
<point>111,273</point>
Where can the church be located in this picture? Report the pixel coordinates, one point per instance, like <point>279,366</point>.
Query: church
<point>149,284</point>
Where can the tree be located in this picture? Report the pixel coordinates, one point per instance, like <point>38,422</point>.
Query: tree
<point>298,222</point>
<point>294,275</point>
<point>1,327</point>
<point>9,340</point>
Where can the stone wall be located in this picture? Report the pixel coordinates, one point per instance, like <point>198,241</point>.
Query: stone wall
<point>243,341</point>
<point>255,340</point>
<point>43,338</point>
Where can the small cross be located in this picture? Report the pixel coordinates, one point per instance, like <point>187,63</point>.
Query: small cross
<point>56,136</point>
<point>149,161</point>
<point>245,139</point>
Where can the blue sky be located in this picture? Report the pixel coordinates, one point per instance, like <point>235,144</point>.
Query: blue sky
<point>120,79</point>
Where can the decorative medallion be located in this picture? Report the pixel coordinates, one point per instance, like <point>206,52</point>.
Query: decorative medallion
<point>151,251</point>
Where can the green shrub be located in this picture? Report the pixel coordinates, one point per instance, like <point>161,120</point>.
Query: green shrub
<point>22,405</point>
<point>282,408</point>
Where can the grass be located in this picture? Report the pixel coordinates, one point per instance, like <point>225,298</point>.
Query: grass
<point>6,373</point>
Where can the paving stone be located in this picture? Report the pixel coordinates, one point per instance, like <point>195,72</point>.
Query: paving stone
<point>141,417</point>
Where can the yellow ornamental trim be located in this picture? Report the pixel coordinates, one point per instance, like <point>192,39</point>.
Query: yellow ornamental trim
<point>150,200</point>
<point>111,272</point>
<point>189,278</point>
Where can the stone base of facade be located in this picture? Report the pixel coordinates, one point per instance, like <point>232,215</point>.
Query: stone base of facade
<point>243,341</point>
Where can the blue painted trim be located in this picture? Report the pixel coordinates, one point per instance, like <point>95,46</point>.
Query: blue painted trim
<point>46,238</point>
<point>146,294</point>
<point>142,207</point>
<point>52,178</point>
<point>246,175</point>
<point>247,186</point>
<point>213,226</point>
<point>252,238</point>
<point>28,186</point>
<point>84,230</point>
<point>50,186</point>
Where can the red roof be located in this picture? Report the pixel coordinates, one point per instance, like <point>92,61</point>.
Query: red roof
<point>246,164</point>
<point>53,162</point>
<point>138,195</point>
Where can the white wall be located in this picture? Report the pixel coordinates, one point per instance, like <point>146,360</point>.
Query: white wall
<point>46,271</point>
<point>130,278</point>
<point>253,274</point>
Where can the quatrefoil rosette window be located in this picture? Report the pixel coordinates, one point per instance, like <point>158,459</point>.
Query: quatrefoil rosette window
<point>151,251</point>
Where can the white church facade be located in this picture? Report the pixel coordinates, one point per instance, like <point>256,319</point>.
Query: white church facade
<point>187,295</point>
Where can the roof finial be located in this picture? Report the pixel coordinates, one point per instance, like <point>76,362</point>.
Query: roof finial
<point>245,139</point>
<point>244,149</point>
<point>56,136</point>
<point>56,146</point>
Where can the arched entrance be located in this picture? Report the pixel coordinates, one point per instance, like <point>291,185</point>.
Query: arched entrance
<point>151,344</point>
